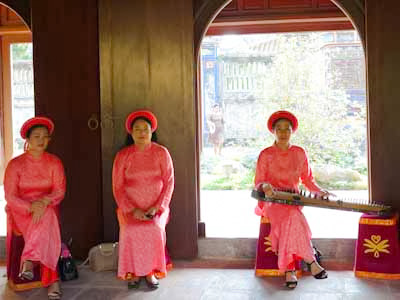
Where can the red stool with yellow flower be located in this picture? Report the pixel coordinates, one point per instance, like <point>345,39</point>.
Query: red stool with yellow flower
<point>266,259</point>
<point>378,247</point>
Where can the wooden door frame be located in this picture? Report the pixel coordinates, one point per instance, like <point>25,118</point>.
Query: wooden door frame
<point>6,95</point>
<point>8,32</point>
<point>22,8</point>
<point>204,16</point>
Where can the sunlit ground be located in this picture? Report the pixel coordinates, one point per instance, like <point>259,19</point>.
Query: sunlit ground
<point>230,214</point>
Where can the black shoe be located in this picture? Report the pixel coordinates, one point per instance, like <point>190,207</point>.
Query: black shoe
<point>321,275</point>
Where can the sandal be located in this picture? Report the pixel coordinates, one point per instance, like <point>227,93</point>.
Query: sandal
<point>134,284</point>
<point>153,283</point>
<point>27,271</point>
<point>26,275</point>
<point>291,284</point>
<point>320,275</point>
<point>56,295</point>
<point>53,291</point>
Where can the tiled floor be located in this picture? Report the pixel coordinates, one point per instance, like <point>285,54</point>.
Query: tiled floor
<point>241,284</point>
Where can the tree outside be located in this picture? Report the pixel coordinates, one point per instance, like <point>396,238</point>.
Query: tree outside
<point>22,90</point>
<point>319,76</point>
<point>22,51</point>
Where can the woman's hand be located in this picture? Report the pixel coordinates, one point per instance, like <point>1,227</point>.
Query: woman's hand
<point>268,189</point>
<point>140,215</point>
<point>325,194</point>
<point>37,210</point>
<point>151,212</point>
<point>45,201</point>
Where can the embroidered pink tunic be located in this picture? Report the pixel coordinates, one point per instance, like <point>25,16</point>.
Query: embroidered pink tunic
<point>26,180</point>
<point>290,234</point>
<point>142,179</point>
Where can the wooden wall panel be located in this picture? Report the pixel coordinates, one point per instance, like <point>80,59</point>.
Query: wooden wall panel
<point>274,4</point>
<point>383,48</point>
<point>253,4</point>
<point>280,27</point>
<point>146,53</point>
<point>325,3</point>
<point>266,16</point>
<point>233,5</point>
<point>197,4</point>
<point>269,7</point>
<point>66,76</point>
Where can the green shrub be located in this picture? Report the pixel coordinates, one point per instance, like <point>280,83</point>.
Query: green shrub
<point>235,182</point>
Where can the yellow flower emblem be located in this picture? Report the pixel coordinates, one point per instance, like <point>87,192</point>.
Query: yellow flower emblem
<point>268,244</point>
<point>376,245</point>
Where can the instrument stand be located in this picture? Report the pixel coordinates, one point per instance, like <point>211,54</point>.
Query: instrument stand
<point>378,247</point>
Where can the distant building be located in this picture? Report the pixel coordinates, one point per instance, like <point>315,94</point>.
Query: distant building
<point>236,79</point>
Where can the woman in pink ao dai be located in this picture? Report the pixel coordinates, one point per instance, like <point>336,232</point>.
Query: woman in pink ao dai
<point>282,166</point>
<point>143,182</point>
<point>34,186</point>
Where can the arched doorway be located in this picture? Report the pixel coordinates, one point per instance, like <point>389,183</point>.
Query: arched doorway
<point>207,10</point>
<point>351,8</point>
<point>17,92</point>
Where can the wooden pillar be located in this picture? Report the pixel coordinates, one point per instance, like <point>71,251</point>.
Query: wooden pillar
<point>383,64</point>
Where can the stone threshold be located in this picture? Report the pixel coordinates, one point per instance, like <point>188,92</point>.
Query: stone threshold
<point>236,263</point>
<point>240,253</point>
<point>337,254</point>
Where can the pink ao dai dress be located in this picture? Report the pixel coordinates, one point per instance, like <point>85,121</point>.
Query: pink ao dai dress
<point>28,179</point>
<point>290,234</point>
<point>142,179</point>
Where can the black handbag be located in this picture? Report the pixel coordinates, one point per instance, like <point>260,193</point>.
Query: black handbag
<point>66,265</point>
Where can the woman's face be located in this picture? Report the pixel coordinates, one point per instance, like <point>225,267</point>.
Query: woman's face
<point>216,109</point>
<point>141,132</point>
<point>283,131</point>
<point>38,139</point>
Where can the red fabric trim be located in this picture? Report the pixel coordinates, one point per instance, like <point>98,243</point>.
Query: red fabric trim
<point>48,276</point>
